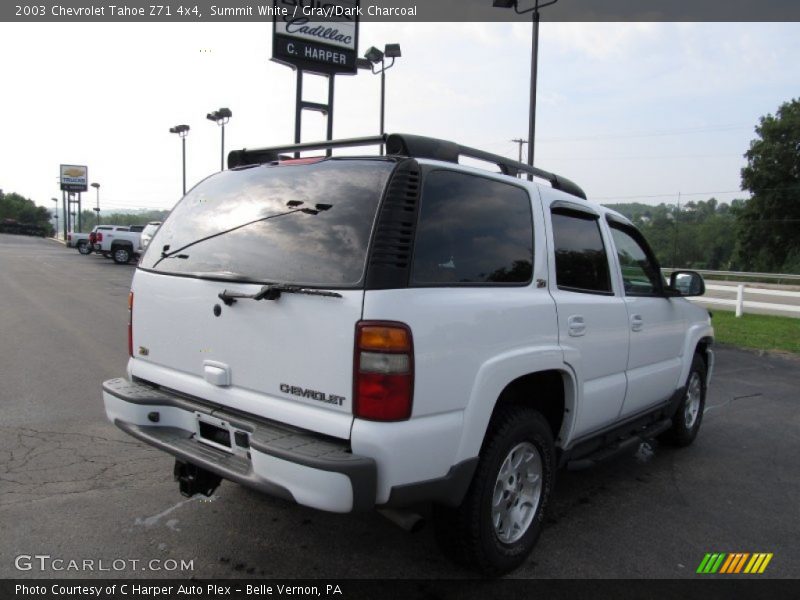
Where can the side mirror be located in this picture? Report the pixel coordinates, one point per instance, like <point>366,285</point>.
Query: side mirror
<point>687,283</point>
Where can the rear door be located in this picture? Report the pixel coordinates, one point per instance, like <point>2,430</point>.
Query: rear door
<point>592,319</point>
<point>289,359</point>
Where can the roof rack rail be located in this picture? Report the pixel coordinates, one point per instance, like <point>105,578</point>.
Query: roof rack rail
<point>413,146</point>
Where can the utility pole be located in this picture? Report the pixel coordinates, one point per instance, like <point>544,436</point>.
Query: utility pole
<point>675,241</point>
<point>520,141</point>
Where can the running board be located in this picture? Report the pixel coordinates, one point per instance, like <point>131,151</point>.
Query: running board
<point>620,447</point>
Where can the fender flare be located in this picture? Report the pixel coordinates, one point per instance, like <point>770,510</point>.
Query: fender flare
<point>494,376</point>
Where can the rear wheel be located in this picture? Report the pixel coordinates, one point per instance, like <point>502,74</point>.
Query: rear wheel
<point>84,247</point>
<point>121,255</point>
<point>687,419</point>
<point>500,519</point>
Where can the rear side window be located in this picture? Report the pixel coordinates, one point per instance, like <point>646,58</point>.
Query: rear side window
<point>472,231</point>
<point>581,260</point>
<point>301,224</point>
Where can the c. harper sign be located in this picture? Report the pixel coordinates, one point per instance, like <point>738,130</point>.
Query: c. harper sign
<point>320,36</point>
<point>74,178</point>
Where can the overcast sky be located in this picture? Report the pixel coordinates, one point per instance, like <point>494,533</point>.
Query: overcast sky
<point>631,112</point>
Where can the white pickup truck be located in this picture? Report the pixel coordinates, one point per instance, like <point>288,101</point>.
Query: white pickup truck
<point>119,243</point>
<point>380,331</point>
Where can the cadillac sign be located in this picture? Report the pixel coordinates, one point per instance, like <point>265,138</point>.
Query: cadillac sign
<point>319,36</point>
<point>74,178</point>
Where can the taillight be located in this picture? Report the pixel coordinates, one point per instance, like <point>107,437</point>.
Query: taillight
<point>99,237</point>
<point>383,382</point>
<point>69,237</point>
<point>130,323</point>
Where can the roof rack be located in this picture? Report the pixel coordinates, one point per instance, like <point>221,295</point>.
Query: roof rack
<point>413,146</point>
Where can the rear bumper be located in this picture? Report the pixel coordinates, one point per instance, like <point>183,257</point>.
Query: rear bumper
<point>312,470</point>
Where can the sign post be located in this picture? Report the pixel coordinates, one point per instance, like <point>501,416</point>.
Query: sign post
<point>321,40</point>
<point>73,178</point>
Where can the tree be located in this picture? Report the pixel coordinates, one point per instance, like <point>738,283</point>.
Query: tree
<point>18,209</point>
<point>769,224</point>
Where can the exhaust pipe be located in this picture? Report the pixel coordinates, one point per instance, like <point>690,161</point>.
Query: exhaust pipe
<point>407,520</point>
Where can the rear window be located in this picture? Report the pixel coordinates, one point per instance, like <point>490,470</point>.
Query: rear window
<point>303,224</point>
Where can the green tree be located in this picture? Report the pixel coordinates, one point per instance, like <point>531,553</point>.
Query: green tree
<point>16,208</point>
<point>769,224</point>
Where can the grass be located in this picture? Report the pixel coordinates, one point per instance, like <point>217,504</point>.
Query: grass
<point>759,332</point>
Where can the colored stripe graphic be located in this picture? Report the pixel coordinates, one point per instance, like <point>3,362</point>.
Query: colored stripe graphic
<point>703,563</point>
<point>717,564</point>
<point>732,559</point>
<point>741,562</point>
<point>734,562</point>
<point>764,564</point>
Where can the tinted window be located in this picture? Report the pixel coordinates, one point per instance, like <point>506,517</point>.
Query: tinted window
<point>472,230</point>
<point>581,261</point>
<point>639,274</point>
<point>136,228</point>
<point>261,232</point>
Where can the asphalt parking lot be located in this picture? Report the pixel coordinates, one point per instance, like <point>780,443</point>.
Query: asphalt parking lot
<point>74,487</point>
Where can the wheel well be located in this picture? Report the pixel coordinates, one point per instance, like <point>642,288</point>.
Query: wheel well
<point>542,391</point>
<point>701,348</point>
<point>126,245</point>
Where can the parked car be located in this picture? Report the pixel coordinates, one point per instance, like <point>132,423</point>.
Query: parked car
<point>148,232</point>
<point>380,331</point>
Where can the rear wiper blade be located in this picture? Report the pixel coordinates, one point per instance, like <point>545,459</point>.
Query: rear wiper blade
<point>273,292</point>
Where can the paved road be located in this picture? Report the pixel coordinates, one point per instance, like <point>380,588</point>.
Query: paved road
<point>74,487</point>
<point>759,298</point>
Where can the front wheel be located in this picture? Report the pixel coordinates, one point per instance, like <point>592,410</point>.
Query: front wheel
<point>500,519</point>
<point>84,248</point>
<point>122,256</point>
<point>687,419</point>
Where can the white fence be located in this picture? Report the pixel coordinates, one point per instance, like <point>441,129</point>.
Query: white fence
<point>744,293</point>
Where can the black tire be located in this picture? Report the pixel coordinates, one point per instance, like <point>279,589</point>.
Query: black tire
<point>467,534</point>
<point>121,255</point>
<point>84,247</point>
<point>687,419</point>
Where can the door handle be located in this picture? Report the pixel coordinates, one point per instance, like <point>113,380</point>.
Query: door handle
<point>637,323</point>
<point>576,325</point>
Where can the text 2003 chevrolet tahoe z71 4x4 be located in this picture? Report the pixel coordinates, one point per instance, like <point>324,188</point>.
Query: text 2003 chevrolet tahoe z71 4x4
<point>353,332</point>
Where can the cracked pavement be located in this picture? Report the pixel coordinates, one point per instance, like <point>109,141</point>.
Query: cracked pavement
<point>75,487</point>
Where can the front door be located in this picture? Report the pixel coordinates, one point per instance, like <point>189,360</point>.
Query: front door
<point>656,323</point>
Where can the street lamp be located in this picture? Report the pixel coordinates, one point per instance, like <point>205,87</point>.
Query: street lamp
<point>221,118</point>
<point>56,214</point>
<point>182,131</point>
<point>372,57</point>
<point>97,208</point>
<point>534,63</point>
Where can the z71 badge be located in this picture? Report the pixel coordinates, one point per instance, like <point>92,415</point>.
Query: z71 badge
<point>295,390</point>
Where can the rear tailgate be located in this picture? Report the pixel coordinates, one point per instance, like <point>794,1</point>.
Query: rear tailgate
<point>290,360</point>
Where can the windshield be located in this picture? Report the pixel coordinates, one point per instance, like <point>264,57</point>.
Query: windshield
<point>324,245</point>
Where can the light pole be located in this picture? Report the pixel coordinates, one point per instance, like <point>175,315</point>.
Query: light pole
<point>56,215</point>
<point>221,118</point>
<point>182,131</point>
<point>534,64</point>
<point>372,57</point>
<point>97,208</point>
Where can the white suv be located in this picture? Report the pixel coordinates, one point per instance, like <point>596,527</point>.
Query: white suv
<point>382,331</point>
